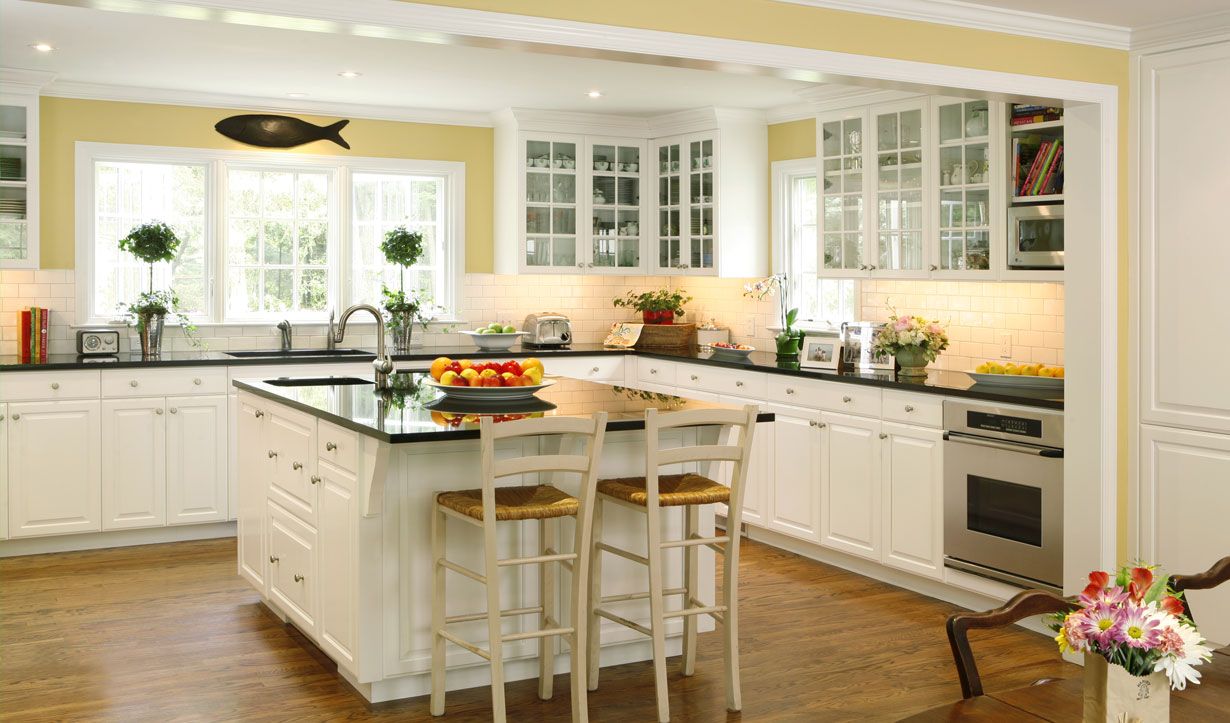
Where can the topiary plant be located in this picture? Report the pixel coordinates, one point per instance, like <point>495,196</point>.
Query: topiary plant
<point>153,242</point>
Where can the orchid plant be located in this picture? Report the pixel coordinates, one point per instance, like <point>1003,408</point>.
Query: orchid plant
<point>911,331</point>
<point>776,285</point>
<point>1137,621</point>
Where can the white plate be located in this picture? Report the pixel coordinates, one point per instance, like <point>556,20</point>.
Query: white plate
<point>731,354</point>
<point>489,393</point>
<point>1018,380</point>
<point>495,341</point>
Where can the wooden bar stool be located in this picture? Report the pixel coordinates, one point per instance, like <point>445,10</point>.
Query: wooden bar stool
<point>543,502</point>
<point>650,493</point>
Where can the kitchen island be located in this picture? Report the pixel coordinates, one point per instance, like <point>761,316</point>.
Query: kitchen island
<point>336,486</point>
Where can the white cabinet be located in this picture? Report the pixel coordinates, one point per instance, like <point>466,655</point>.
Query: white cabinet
<point>794,494</point>
<point>291,439</point>
<point>551,188</point>
<point>196,459</point>
<point>134,469</point>
<point>292,567</point>
<point>898,134</point>
<point>969,174</point>
<point>4,471</point>
<point>339,544</point>
<point>54,481</point>
<point>618,203</point>
<point>686,193</point>
<point>913,476</point>
<point>253,471</point>
<point>19,147</point>
<point>850,484</point>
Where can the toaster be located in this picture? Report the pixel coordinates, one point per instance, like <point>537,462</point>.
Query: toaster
<point>548,329</point>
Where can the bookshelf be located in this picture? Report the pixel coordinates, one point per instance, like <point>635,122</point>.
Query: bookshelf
<point>1035,155</point>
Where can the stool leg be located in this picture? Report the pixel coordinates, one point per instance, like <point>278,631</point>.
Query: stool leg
<point>730,627</point>
<point>439,575</point>
<point>691,574</point>
<point>546,598</point>
<point>578,615</point>
<point>656,612</point>
<point>495,644</point>
<point>593,634</point>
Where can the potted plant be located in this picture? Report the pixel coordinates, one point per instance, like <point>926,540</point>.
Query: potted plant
<point>659,306</point>
<point>153,242</point>
<point>1138,643</point>
<point>404,248</point>
<point>914,341</point>
<point>789,338</point>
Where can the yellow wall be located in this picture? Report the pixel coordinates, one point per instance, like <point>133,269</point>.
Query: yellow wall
<point>64,121</point>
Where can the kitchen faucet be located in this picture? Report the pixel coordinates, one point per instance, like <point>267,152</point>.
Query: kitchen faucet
<point>329,343</point>
<point>382,362</point>
<point>284,327</point>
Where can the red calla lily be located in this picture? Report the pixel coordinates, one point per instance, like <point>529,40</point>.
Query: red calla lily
<point>1142,578</point>
<point>1097,583</point>
<point>1171,604</point>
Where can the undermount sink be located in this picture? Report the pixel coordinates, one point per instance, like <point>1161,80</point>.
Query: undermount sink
<point>316,381</point>
<point>279,354</point>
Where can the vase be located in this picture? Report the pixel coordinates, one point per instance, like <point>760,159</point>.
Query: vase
<point>1112,694</point>
<point>658,317</point>
<point>401,328</point>
<point>149,330</point>
<point>787,347</point>
<point>913,362</point>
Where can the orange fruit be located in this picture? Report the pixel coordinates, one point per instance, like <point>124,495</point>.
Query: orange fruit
<point>437,366</point>
<point>465,364</point>
<point>531,363</point>
<point>438,418</point>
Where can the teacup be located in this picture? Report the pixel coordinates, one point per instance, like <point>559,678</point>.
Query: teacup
<point>695,163</point>
<point>707,161</point>
<point>674,165</point>
<point>600,165</point>
<point>569,163</point>
<point>632,167</point>
<point>542,161</point>
<point>665,166</point>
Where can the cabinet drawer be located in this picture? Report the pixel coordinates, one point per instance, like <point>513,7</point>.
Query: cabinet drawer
<point>291,439</point>
<point>48,386</point>
<point>171,382</point>
<point>833,396</point>
<point>338,446</point>
<point>722,381</point>
<point>923,409</point>
<point>292,567</point>
<point>591,368</point>
<point>655,371</point>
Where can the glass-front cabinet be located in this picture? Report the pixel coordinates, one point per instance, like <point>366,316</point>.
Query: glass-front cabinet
<point>899,134</point>
<point>686,227</point>
<point>19,181</point>
<point>842,193</point>
<point>966,175</point>
<point>616,170</point>
<point>551,188</point>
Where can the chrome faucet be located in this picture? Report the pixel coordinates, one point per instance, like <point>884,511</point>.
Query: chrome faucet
<point>329,343</point>
<point>284,327</point>
<point>383,363</point>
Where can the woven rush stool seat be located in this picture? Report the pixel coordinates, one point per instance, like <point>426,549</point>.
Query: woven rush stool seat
<point>673,490</point>
<point>535,502</point>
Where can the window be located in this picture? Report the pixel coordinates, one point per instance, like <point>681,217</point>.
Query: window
<point>265,236</point>
<point>821,301</point>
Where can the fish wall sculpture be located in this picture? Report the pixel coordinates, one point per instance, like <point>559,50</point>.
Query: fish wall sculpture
<point>278,131</point>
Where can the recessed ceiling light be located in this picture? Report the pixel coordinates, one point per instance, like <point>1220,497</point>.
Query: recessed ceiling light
<point>296,95</point>
<point>43,47</point>
<point>594,94</point>
<point>349,74</point>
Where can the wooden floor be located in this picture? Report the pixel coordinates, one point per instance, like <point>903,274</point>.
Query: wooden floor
<point>169,632</point>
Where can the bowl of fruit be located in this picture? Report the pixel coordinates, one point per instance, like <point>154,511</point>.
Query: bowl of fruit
<point>734,352</point>
<point>495,336</point>
<point>1036,376</point>
<point>487,380</point>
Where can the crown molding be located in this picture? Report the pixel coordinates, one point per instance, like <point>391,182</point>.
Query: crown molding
<point>585,123</point>
<point>22,80</point>
<point>790,113</point>
<point>168,96</point>
<point>981,17</point>
<point>1204,28</point>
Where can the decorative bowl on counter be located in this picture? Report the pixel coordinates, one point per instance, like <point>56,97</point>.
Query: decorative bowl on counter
<point>734,352</point>
<point>488,394</point>
<point>495,342</point>
<point>1018,380</point>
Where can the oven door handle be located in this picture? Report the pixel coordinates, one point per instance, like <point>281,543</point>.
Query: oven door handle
<point>1005,446</point>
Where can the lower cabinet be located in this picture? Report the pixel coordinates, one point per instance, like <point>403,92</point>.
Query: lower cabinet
<point>252,464</point>
<point>850,463</point>
<point>292,567</point>
<point>196,459</point>
<point>134,469</point>
<point>4,471</point>
<point>53,465</point>
<point>339,583</point>
<point>913,476</point>
<point>794,496</point>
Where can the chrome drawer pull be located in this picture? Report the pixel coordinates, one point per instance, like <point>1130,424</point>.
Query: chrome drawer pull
<point>845,400</point>
<point>298,577</point>
<point>174,410</point>
<point>738,383</point>
<point>16,416</point>
<point>315,479</point>
<point>133,383</point>
<point>883,435</point>
<point>909,407</point>
<point>330,446</point>
<point>158,411</point>
<point>197,381</point>
<point>55,385</point>
<point>258,414</point>
<point>272,454</point>
<point>789,390</point>
<point>694,377</point>
<point>594,370</point>
<point>653,371</point>
<point>273,558</point>
<point>296,465</point>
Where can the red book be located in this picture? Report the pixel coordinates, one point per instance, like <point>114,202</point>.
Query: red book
<point>1051,153</point>
<point>1034,167</point>
<point>23,323</point>
<point>43,325</point>
<point>1050,170</point>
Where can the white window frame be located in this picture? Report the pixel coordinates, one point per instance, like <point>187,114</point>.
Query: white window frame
<point>217,161</point>
<point>784,173</point>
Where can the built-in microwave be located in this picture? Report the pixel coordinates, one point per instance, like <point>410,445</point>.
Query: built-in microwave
<point>1035,236</point>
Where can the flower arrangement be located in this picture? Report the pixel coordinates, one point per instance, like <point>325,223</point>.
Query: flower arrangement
<point>659,306</point>
<point>1137,621</point>
<point>907,333</point>
<point>778,285</point>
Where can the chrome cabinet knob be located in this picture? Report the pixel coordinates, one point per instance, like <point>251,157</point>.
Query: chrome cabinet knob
<point>132,383</point>
<point>16,416</point>
<point>330,446</point>
<point>820,425</point>
<point>871,267</point>
<point>845,400</point>
<point>738,383</point>
<point>812,423</point>
<point>909,407</point>
<point>258,414</point>
<point>272,454</point>
<point>1,417</point>
<point>653,371</point>
<point>174,410</point>
<point>197,381</point>
<point>273,558</point>
<point>158,411</point>
<point>296,465</point>
<point>789,390</point>
<point>55,385</point>
<point>934,267</point>
<point>694,377</point>
<point>315,479</point>
<point>594,370</point>
<point>298,577</point>
<point>590,265</point>
<point>580,265</point>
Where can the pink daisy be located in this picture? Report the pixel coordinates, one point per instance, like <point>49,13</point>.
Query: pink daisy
<point>1102,624</point>
<point>1139,626</point>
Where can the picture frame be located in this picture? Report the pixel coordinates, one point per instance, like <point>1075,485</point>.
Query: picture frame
<point>820,350</point>
<point>857,338</point>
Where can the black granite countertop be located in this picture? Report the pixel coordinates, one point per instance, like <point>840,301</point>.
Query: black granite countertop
<point>414,412</point>
<point>950,383</point>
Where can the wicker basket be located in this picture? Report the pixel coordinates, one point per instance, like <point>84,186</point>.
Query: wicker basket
<point>667,336</point>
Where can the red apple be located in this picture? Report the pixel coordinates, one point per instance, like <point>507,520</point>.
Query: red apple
<point>460,381</point>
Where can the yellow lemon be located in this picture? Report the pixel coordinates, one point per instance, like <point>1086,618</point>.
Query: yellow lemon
<point>1046,372</point>
<point>1057,372</point>
<point>1029,371</point>
<point>982,369</point>
<point>1012,371</point>
<point>995,368</point>
<point>534,373</point>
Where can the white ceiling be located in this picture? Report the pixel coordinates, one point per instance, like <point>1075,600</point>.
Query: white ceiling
<point>129,49</point>
<point>1121,13</point>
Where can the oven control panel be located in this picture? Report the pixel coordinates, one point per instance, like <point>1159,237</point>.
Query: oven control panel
<point>1004,424</point>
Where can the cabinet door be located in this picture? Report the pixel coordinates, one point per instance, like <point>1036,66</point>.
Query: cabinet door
<point>291,438</point>
<point>794,494</point>
<point>913,474</point>
<point>968,173</point>
<point>196,459</point>
<point>616,168</point>
<point>292,568</point>
<point>842,191</point>
<point>54,481</point>
<point>1184,496</point>
<point>253,469</point>
<point>700,187</point>
<point>759,467</point>
<point>134,464</point>
<point>898,133</point>
<point>4,471</point>
<point>668,157</point>
<point>552,185</point>
<point>850,484</point>
<point>339,582</point>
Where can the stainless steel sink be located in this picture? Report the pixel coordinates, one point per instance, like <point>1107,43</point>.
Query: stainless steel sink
<point>316,381</point>
<point>278,354</point>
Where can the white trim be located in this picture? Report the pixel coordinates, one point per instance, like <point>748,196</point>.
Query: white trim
<point>21,80</point>
<point>982,17</point>
<point>231,101</point>
<point>86,153</point>
<point>1184,32</point>
<point>781,172</point>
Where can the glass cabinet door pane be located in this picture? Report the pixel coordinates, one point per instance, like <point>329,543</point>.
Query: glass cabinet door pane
<point>564,220</point>
<point>538,187</point>
<point>604,252</point>
<point>911,128</point>
<point>832,139</point>
<point>537,252</point>
<point>538,219</point>
<point>604,190</point>
<point>952,166</point>
<point>564,188</point>
<point>565,155</point>
<point>951,122</point>
<point>886,135</point>
<point>538,154</point>
<point>977,119</point>
<point>604,158</point>
<point>976,163</point>
<point>629,253</point>
<point>852,136</point>
<point>628,192</point>
<point>564,251</point>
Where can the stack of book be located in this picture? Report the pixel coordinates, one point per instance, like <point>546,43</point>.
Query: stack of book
<point>1026,114</point>
<point>1037,166</point>
<point>33,323</point>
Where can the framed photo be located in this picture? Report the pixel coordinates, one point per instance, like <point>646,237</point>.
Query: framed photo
<point>857,338</point>
<point>821,350</point>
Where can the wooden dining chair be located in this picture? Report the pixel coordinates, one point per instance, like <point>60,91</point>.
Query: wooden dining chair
<point>1022,605</point>
<point>1214,576</point>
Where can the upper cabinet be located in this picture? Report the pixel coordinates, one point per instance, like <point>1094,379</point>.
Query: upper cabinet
<point>969,175</point>
<point>19,147</point>
<point>899,132</point>
<point>678,195</point>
